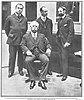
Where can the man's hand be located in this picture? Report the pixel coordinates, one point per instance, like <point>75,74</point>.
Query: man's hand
<point>48,52</point>
<point>29,53</point>
<point>78,53</point>
<point>66,44</point>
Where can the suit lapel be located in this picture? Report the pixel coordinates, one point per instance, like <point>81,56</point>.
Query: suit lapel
<point>38,38</point>
<point>47,20</point>
<point>62,22</point>
<point>18,18</point>
<point>41,22</point>
<point>15,17</point>
<point>31,38</point>
<point>22,17</point>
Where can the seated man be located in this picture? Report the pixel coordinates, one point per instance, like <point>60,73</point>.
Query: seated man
<point>36,46</point>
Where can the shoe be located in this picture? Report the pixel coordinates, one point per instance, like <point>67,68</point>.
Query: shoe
<point>59,75</point>
<point>10,75</point>
<point>21,73</point>
<point>28,80</point>
<point>42,85</point>
<point>80,84</point>
<point>49,72</point>
<point>45,81</point>
<point>32,84</point>
<point>63,78</point>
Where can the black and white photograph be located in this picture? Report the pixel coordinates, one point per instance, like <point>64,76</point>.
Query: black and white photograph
<point>41,49</point>
<point>43,99</point>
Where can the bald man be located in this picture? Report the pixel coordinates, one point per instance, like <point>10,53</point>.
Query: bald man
<point>36,46</point>
<point>45,27</point>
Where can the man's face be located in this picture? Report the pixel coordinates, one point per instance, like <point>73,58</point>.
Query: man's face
<point>60,12</point>
<point>44,12</point>
<point>19,9</point>
<point>34,28</point>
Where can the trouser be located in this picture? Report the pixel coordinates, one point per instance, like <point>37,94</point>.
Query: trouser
<point>64,61</point>
<point>63,56</point>
<point>12,58</point>
<point>50,62</point>
<point>33,71</point>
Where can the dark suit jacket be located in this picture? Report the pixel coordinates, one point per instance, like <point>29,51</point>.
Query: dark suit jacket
<point>15,28</point>
<point>66,30</point>
<point>45,28</point>
<point>28,42</point>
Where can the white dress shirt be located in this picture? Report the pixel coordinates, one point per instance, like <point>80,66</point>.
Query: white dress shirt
<point>34,35</point>
<point>43,18</point>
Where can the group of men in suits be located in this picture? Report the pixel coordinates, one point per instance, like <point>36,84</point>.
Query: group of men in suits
<point>37,44</point>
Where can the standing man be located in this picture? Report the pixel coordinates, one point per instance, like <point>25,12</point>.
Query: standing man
<point>45,27</point>
<point>15,28</point>
<point>64,39</point>
<point>36,46</point>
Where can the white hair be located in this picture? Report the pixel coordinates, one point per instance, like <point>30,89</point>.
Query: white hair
<point>34,23</point>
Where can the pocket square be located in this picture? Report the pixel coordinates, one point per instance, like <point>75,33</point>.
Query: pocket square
<point>65,24</point>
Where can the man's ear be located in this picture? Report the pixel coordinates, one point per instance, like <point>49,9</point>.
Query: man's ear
<point>38,28</point>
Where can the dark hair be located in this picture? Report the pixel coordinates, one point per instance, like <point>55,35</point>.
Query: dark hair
<point>41,9</point>
<point>19,4</point>
<point>64,8</point>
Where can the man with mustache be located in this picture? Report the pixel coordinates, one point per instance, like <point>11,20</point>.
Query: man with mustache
<point>64,38</point>
<point>36,46</point>
<point>15,28</point>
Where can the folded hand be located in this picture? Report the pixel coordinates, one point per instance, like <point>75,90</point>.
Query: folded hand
<point>48,52</point>
<point>29,53</point>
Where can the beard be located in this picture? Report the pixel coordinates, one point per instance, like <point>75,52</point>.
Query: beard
<point>61,14</point>
<point>34,31</point>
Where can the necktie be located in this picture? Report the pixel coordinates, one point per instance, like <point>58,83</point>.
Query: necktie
<point>44,22</point>
<point>44,19</point>
<point>34,36</point>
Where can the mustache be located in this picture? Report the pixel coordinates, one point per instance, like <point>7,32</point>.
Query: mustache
<point>61,14</point>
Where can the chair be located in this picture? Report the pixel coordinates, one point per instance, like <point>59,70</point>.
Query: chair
<point>36,62</point>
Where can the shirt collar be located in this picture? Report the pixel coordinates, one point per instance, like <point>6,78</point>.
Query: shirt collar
<point>64,16</point>
<point>43,18</point>
<point>34,34</point>
<point>17,14</point>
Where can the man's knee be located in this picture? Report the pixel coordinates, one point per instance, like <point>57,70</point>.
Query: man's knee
<point>27,61</point>
<point>46,60</point>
